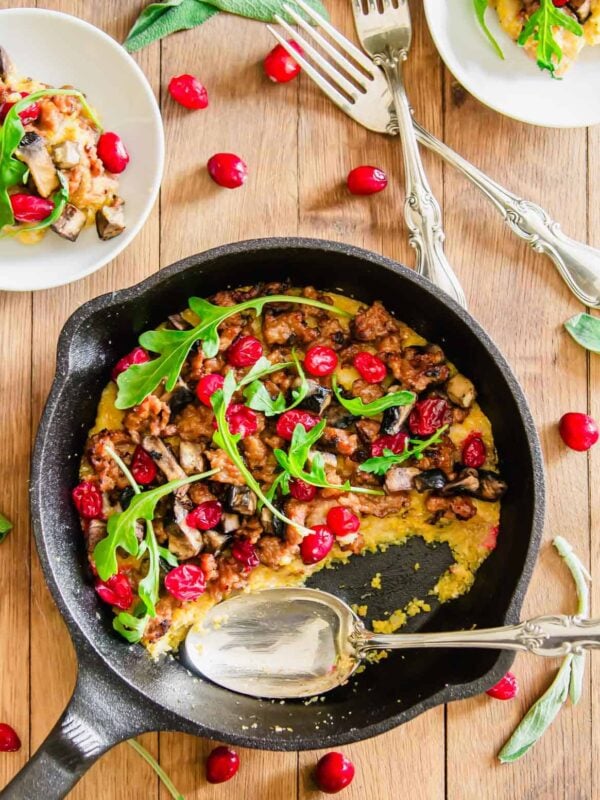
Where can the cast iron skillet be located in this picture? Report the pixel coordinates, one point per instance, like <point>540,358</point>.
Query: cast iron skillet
<point>120,692</point>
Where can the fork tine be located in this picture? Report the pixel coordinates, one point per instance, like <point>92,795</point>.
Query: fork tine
<point>323,63</point>
<point>345,44</point>
<point>335,54</point>
<point>326,87</point>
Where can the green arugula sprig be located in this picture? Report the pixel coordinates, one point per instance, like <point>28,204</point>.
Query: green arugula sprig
<point>539,27</point>
<point>481,6</point>
<point>568,681</point>
<point>585,329</point>
<point>5,527</point>
<point>359,408</point>
<point>173,346</point>
<point>258,398</point>
<point>379,465</point>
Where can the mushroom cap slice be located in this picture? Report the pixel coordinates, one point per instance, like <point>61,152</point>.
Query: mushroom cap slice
<point>33,152</point>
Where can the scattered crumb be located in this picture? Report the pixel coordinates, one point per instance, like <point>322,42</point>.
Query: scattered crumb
<point>360,610</point>
<point>376,581</point>
<point>417,567</point>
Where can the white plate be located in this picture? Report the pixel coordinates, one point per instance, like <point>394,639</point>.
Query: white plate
<point>515,87</point>
<point>59,49</point>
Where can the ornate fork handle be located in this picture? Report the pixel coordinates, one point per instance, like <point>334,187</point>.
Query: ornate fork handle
<point>578,263</point>
<point>421,210</point>
<point>552,636</point>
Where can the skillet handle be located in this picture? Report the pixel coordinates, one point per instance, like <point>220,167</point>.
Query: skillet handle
<point>99,715</point>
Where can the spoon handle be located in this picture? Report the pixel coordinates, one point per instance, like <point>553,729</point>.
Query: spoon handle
<point>552,636</point>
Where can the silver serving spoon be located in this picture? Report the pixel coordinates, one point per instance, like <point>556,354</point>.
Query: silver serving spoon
<point>303,642</point>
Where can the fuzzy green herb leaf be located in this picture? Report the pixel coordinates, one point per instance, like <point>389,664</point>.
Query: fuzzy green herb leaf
<point>481,6</point>
<point>359,408</point>
<point>585,329</point>
<point>379,465</point>
<point>539,27</point>
<point>5,527</point>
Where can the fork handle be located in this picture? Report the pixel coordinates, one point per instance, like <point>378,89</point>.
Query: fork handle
<point>577,263</point>
<point>421,210</point>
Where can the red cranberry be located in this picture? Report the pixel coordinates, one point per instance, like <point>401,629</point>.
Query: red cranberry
<point>9,741</point>
<point>244,551</point>
<point>116,591</point>
<point>396,442</point>
<point>112,152</point>
<point>370,367</point>
<point>227,170</point>
<point>578,431</point>
<point>241,419</point>
<point>244,352</point>
<point>560,3</point>
<point>137,356</point>
<point>429,415</point>
<point>279,65</point>
<point>185,582</point>
<point>205,516</point>
<point>188,92</point>
<point>88,500</point>
<point>367,180</point>
<point>28,208</point>
<point>506,688</point>
<point>28,114</point>
<point>342,521</point>
<point>300,490</point>
<point>221,764</point>
<point>320,360</point>
<point>474,451</point>
<point>207,386</point>
<point>315,546</point>
<point>288,421</point>
<point>334,772</point>
<point>143,467</point>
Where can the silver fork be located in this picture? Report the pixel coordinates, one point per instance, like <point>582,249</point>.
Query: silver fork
<point>370,105</point>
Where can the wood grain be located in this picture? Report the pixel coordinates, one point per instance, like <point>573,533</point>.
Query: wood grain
<point>299,149</point>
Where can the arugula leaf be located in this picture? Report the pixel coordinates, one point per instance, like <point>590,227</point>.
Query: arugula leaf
<point>5,527</point>
<point>359,408</point>
<point>539,27</point>
<point>130,626</point>
<point>140,380</point>
<point>481,6</point>
<point>379,465</point>
<point>258,398</point>
<point>585,329</point>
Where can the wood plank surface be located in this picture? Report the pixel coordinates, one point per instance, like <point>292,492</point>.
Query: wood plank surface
<point>299,149</point>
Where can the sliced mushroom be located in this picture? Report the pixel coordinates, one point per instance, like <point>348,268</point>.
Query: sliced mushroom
<point>179,323</point>
<point>110,221</point>
<point>96,529</point>
<point>70,223</point>
<point>32,151</point>
<point>400,479</point>
<point>191,458</point>
<point>180,398</point>
<point>230,522</point>
<point>466,482</point>
<point>163,458</point>
<point>338,417</point>
<point>242,499</point>
<point>125,497</point>
<point>214,541</point>
<point>6,65</point>
<point>184,541</point>
<point>329,459</point>
<point>67,155</point>
<point>431,479</point>
<point>461,391</point>
<point>394,418</point>
<point>317,398</point>
<point>582,8</point>
<point>492,487</point>
<point>271,523</point>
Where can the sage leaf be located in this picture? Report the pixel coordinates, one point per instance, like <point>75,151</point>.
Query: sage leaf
<point>585,329</point>
<point>5,527</point>
<point>264,10</point>
<point>481,6</point>
<point>162,19</point>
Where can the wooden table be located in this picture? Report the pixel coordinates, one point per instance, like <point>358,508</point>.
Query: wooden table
<point>299,149</point>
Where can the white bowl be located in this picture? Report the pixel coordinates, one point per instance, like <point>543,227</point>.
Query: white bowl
<point>516,86</point>
<point>60,49</point>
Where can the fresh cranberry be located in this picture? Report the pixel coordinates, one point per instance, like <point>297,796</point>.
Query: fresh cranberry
<point>241,419</point>
<point>185,582</point>
<point>244,551</point>
<point>474,451</point>
<point>112,152</point>
<point>222,764</point>
<point>560,3</point>
<point>578,431</point>
<point>506,688</point>
<point>370,367</point>
<point>320,360</point>
<point>188,92</point>
<point>244,352</point>
<point>205,516</point>
<point>137,356</point>
<point>28,114</point>
<point>491,539</point>
<point>88,500</point>
<point>316,545</point>
<point>9,741</point>
<point>429,415</point>
<point>28,208</point>
<point>279,65</point>
<point>143,467</point>
<point>367,180</point>
<point>395,442</point>
<point>116,591</point>
<point>342,521</point>
<point>300,490</point>
<point>334,772</point>
<point>227,170</point>
<point>288,421</point>
<point>207,386</point>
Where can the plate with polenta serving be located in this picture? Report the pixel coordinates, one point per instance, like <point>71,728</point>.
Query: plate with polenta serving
<point>535,60</point>
<point>279,435</point>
